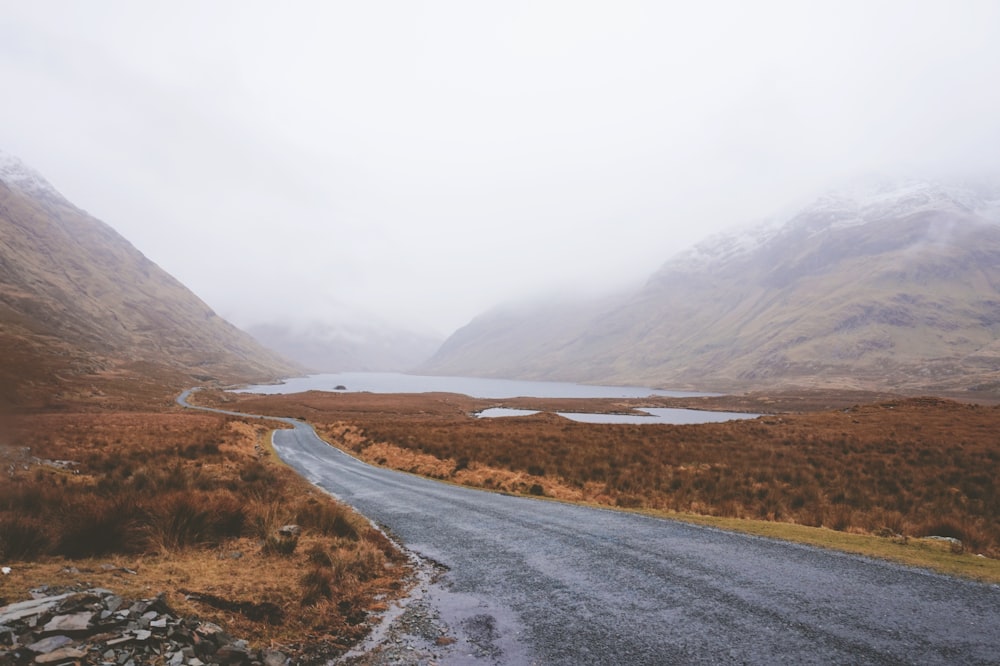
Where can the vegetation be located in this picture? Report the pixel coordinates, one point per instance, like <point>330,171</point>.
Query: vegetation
<point>190,502</point>
<point>900,468</point>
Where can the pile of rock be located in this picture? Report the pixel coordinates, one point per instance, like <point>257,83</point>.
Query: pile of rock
<point>96,626</point>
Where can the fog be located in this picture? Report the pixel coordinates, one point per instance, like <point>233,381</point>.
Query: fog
<point>423,161</point>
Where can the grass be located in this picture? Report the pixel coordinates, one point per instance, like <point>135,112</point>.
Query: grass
<point>872,478</point>
<point>181,503</point>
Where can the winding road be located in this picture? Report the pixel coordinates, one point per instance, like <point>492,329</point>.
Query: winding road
<point>533,581</point>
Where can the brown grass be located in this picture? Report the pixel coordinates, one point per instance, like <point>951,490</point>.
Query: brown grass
<point>910,467</point>
<point>189,502</point>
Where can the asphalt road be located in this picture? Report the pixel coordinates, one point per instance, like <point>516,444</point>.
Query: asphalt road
<point>533,581</point>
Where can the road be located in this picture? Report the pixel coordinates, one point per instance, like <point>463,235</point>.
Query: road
<point>534,581</point>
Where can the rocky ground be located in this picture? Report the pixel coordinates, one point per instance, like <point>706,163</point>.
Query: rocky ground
<point>96,626</point>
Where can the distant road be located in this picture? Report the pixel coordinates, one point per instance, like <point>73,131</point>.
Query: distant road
<point>550,583</point>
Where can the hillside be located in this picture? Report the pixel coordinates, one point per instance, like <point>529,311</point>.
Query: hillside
<point>886,286</point>
<point>81,307</point>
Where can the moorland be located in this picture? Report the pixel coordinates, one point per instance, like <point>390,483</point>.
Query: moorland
<point>891,467</point>
<point>156,499</point>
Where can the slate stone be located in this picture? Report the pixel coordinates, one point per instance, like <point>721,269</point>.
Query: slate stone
<point>232,654</point>
<point>14,612</point>
<point>60,655</point>
<point>49,644</point>
<point>74,622</point>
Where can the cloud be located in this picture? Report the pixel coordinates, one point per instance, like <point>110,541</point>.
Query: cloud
<point>428,160</point>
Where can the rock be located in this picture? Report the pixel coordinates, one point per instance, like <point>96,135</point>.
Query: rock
<point>75,622</point>
<point>49,644</point>
<point>274,658</point>
<point>96,626</point>
<point>208,630</point>
<point>113,602</point>
<point>60,655</point>
<point>33,607</point>
<point>290,531</point>
<point>232,654</point>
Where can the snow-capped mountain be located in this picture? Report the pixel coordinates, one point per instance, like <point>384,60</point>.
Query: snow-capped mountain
<point>884,284</point>
<point>17,174</point>
<point>863,202</point>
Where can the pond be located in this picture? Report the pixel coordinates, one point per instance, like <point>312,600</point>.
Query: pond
<point>653,415</point>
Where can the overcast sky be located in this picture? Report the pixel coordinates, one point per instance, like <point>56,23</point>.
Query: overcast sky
<point>428,160</point>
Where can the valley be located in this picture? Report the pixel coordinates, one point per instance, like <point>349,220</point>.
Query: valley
<point>900,468</point>
<point>858,334</point>
<point>521,580</point>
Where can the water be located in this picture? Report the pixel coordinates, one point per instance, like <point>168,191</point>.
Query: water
<point>475,387</point>
<point>653,415</point>
<point>479,387</point>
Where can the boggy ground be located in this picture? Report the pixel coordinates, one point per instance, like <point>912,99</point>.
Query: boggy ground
<point>851,462</point>
<point>188,504</point>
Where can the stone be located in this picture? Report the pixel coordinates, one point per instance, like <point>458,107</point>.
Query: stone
<point>14,612</point>
<point>231,654</point>
<point>208,629</point>
<point>75,622</point>
<point>290,531</point>
<point>60,655</point>
<point>121,640</point>
<point>49,644</point>
<point>274,658</point>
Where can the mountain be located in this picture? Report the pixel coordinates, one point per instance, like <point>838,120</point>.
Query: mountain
<point>888,285</point>
<point>79,304</point>
<point>361,344</point>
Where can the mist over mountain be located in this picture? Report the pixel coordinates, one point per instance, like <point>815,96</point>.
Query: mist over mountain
<point>356,344</point>
<point>887,284</point>
<point>78,301</point>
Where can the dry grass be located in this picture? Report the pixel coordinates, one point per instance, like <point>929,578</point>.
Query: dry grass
<point>188,502</point>
<point>905,467</point>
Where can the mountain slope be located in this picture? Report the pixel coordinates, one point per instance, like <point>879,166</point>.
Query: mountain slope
<point>887,286</point>
<point>77,300</point>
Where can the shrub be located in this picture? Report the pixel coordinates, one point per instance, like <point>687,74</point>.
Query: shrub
<point>99,526</point>
<point>22,537</point>
<point>183,519</point>
<point>317,584</point>
<point>327,518</point>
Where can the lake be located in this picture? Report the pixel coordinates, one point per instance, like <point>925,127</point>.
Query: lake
<point>474,387</point>
<point>480,387</point>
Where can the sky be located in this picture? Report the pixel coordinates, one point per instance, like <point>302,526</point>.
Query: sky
<point>421,162</point>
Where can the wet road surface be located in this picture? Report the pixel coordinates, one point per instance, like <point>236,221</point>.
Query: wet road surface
<point>533,581</point>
